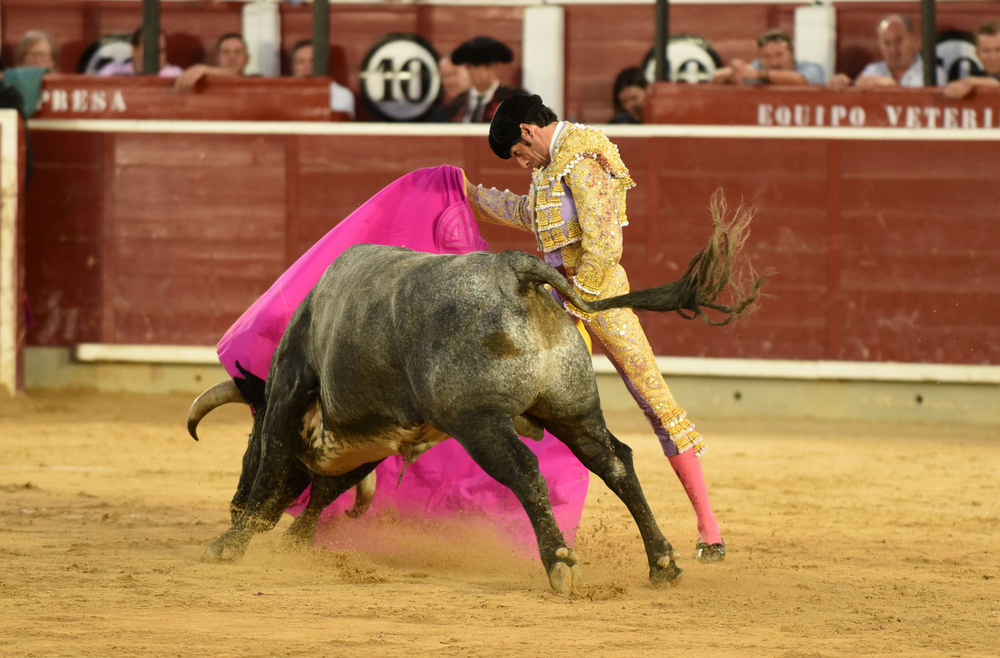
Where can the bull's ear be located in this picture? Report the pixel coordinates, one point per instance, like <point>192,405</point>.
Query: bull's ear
<point>251,386</point>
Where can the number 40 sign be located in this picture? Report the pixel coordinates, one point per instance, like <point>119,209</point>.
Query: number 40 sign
<point>400,80</point>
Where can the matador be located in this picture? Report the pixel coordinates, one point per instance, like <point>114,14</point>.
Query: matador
<point>576,210</point>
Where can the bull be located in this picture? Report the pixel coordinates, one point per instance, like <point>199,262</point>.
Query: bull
<point>394,351</point>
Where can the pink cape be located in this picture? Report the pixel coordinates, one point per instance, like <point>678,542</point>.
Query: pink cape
<point>425,210</point>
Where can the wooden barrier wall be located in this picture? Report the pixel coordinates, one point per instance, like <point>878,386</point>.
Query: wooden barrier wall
<point>882,240</point>
<point>601,39</point>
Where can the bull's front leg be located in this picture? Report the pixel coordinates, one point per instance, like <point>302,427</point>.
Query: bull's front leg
<point>297,481</point>
<point>273,491</point>
<point>277,480</point>
<point>325,489</point>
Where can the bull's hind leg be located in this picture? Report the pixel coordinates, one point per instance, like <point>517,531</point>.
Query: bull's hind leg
<point>611,460</point>
<point>495,446</point>
<point>325,489</point>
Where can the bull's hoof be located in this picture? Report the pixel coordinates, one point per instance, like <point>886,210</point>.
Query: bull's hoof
<point>565,579</point>
<point>710,552</point>
<point>665,571</point>
<point>566,576</point>
<point>220,551</point>
<point>296,541</point>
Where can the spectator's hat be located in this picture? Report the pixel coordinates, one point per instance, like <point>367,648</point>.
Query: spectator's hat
<point>505,129</point>
<point>482,50</point>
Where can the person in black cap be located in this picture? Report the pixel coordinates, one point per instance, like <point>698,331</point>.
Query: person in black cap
<point>482,56</point>
<point>576,209</point>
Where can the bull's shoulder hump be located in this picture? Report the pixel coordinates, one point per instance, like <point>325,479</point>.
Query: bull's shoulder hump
<point>371,250</point>
<point>368,257</point>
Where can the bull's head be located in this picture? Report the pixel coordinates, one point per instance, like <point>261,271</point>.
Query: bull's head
<point>249,390</point>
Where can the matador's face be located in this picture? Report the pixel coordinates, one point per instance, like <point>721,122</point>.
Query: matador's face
<point>532,151</point>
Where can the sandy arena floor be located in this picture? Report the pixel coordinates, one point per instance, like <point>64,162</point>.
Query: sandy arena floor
<point>844,540</point>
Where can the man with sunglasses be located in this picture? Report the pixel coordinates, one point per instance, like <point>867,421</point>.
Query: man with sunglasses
<point>775,64</point>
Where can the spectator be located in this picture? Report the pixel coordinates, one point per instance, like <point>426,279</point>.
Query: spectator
<point>341,98</point>
<point>988,52</point>
<point>482,56</point>
<point>37,48</point>
<point>231,58</point>
<point>454,81</point>
<point>629,96</point>
<point>232,54</point>
<point>133,65</point>
<point>902,65</point>
<point>775,64</point>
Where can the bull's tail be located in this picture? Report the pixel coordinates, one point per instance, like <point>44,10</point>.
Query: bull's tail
<point>709,274</point>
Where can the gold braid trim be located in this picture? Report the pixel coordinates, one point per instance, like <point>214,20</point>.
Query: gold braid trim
<point>576,143</point>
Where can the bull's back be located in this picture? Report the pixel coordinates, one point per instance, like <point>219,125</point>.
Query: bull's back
<point>395,298</point>
<point>393,326</point>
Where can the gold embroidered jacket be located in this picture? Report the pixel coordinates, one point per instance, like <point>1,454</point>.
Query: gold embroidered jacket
<point>576,204</point>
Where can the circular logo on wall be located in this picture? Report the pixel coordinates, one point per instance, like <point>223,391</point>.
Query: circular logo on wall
<point>690,59</point>
<point>112,48</point>
<point>400,80</point>
<point>956,53</point>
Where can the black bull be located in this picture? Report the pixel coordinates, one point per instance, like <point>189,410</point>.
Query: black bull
<point>393,351</point>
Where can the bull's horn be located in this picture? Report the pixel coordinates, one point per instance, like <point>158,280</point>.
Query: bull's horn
<point>218,395</point>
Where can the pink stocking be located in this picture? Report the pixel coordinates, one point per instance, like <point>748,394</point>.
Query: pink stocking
<point>687,466</point>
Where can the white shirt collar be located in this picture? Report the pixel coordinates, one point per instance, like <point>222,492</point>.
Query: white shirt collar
<point>556,136</point>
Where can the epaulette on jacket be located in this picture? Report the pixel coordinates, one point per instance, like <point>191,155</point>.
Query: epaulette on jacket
<point>577,143</point>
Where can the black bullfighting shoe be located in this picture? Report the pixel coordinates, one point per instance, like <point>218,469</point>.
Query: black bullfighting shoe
<point>710,552</point>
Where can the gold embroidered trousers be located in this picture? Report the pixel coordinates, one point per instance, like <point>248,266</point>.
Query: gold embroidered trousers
<point>626,345</point>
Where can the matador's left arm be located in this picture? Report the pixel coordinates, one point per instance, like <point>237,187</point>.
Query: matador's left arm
<point>496,207</point>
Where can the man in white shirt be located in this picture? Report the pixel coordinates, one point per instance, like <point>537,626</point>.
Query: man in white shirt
<point>341,98</point>
<point>902,65</point>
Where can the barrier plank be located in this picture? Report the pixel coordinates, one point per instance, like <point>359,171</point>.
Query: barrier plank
<point>214,98</point>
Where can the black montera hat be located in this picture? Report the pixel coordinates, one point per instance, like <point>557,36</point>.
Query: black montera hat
<point>505,129</point>
<point>482,50</point>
